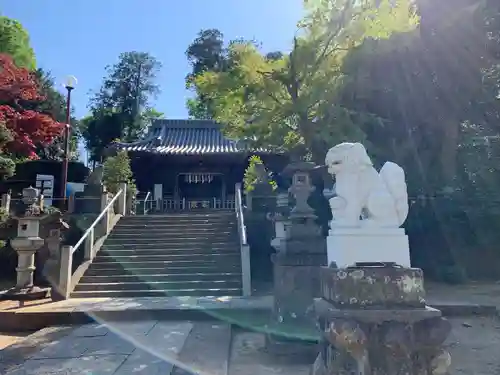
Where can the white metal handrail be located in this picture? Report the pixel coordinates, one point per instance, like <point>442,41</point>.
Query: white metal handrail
<point>238,207</point>
<point>146,201</point>
<point>246,279</point>
<point>68,278</point>
<point>96,221</point>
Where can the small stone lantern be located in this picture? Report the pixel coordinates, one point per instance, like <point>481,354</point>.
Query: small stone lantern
<point>26,244</point>
<point>301,189</point>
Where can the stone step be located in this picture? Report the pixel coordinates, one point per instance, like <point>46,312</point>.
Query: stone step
<point>172,238</point>
<point>162,277</point>
<point>186,242</point>
<point>185,257</point>
<point>167,265</point>
<point>173,232</point>
<point>212,247</point>
<point>170,251</point>
<point>179,222</point>
<point>153,268</point>
<point>173,217</point>
<point>175,228</point>
<point>159,285</point>
<point>157,293</point>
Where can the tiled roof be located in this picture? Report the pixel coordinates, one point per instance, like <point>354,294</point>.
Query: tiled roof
<point>184,137</point>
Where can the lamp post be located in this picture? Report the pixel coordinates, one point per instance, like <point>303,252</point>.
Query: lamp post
<point>69,84</point>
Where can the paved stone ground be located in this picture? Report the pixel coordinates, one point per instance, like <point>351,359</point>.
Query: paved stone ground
<point>212,348</point>
<point>473,292</point>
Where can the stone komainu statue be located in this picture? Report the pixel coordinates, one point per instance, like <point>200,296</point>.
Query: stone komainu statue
<point>380,197</point>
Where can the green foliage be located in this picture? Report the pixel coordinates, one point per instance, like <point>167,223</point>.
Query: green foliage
<point>15,41</point>
<point>291,102</point>
<point>99,131</point>
<point>256,174</point>
<point>55,105</point>
<point>207,53</point>
<point>120,109</point>
<point>127,89</point>
<point>116,170</point>
<point>7,165</point>
<point>418,84</point>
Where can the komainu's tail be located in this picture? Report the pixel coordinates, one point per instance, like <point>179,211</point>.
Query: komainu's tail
<point>394,178</point>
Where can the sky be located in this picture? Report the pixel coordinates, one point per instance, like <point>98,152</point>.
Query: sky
<point>77,37</point>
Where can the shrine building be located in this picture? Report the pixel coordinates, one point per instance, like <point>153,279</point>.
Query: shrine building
<point>190,164</point>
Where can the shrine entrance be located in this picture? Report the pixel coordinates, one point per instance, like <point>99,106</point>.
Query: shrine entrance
<point>202,190</point>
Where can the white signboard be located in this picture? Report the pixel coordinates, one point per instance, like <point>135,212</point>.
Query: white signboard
<point>45,183</point>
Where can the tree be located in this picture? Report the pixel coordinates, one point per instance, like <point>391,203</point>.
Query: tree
<point>7,165</point>
<point>116,170</point>
<point>121,108</point>
<point>127,90</point>
<point>426,84</point>
<point>55,105</point>
<point>207,53</point>
<point>29,128</point>
<point>15,41</point>
<point>99,130</point>
<point>290,102</point>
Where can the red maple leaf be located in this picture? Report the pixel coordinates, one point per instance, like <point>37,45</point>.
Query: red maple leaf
<point>29,128</point>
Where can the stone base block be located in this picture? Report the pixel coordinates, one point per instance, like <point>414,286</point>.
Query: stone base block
<point>25,294</point>
<point>348,246</point>
<point>377,287</point>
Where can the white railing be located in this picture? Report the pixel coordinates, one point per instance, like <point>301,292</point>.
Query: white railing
<point>145,207</point>
<point>183,204</point>
<point>68,280</point>
<point>244,247</point>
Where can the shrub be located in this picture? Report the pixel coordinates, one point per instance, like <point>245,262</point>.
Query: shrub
<point>116,169</point>
<point>256,174</point>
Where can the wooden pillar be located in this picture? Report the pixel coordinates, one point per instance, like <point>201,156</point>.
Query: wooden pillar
<point>176,192</point>
<point>223,191</point>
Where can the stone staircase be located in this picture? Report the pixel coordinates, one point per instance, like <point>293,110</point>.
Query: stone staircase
<point>177,254</point>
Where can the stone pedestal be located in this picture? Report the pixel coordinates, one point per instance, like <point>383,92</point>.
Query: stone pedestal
<point>53,262</point>
<point>296,284</point>
<point>347,246</point>
<point>374,320</point>
<point>26,248</point>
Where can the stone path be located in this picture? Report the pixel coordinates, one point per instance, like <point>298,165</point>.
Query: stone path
<point>212,348</point>
<point>149,348</point>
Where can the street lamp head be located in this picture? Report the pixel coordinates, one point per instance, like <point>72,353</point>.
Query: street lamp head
<point>70,82</point>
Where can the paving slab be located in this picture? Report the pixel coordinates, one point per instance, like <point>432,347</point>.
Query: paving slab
<point>206,350</point>
<point>157,350</point>
<point>249,357</point>
<point>85,365</point>
<point>212,348</point>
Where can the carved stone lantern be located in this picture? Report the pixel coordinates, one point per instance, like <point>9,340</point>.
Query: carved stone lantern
<point>296,266</point>
<point>301,189</point>
<point>26,243</point>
